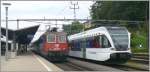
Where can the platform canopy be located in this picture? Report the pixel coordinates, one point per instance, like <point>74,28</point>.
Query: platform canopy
<point>23,36</point>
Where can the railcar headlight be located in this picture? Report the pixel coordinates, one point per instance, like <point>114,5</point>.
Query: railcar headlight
<point>113,49</point>
<point>128,48</point>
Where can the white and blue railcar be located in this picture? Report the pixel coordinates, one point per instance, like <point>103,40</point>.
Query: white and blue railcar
<point>108,44</point>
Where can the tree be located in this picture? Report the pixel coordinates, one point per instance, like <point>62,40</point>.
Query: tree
<point>120,10</point>
<point>75,27</point>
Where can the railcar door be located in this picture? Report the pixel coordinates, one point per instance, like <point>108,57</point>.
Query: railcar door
<point>83,49</point>
<point>99,49</point>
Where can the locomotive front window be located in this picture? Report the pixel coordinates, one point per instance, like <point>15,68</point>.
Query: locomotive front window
<point>62,38</point>
<point>51,38</point>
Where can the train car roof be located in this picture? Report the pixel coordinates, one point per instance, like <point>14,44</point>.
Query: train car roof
<point>43,28</point>
<point>87,33</point>
<point>92,32</point>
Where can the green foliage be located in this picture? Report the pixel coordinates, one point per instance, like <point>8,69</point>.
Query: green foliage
<point>140,50</point>
<point>120,10</point>
<point>75,27</point>
<point>138,38</point>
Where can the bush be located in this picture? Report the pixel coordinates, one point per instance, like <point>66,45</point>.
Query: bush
<point>136,40</point>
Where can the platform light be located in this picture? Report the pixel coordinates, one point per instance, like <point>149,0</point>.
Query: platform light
<point>6,8</point>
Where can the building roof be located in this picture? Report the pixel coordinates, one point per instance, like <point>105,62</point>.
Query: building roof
<point>21,35</point>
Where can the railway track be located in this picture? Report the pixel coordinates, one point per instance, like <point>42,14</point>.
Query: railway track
<point>78,64</point>
<point>123,67</point>
<point>138,60</point>
<point>141,57</point>
<point>141,54</point>
<point>127,68</point>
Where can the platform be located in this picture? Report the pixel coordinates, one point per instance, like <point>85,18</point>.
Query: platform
<point>27,62</point>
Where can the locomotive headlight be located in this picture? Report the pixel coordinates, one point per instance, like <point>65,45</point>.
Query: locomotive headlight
<point>113,49</point>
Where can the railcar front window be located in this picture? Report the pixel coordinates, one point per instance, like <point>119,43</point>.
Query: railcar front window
<point>50,38</point>
<point>117,30</point>
<point>120,41</point>
<point>120,37</point>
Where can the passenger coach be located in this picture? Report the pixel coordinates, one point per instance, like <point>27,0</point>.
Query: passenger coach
<point>108,44</point>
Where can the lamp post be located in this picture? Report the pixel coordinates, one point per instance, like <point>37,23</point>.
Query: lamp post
<point>6,8</point>
<point>0,39</point>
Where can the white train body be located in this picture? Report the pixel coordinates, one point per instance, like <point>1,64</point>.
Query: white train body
<point>110,44</point>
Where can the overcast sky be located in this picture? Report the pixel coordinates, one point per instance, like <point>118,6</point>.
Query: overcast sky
<point>41,9</point>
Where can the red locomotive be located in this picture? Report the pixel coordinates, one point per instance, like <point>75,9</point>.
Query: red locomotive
<point>52,45</point>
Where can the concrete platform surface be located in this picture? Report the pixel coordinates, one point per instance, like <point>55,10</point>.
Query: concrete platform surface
<point>27,63</point>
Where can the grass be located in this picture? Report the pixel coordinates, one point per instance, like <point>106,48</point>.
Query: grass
<point>138,38</point>
<point>140,50</point>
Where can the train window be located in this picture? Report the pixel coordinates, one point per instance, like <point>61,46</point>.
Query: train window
<point>105,42</point>
<point>91,39</point>
<point>96,43</point>
<point>79,44</point>
<point>117,30</point>
<point>51,38</point>
<point>87,43</point>
<point>62,38</point>
<point>75,45</point>
<point>120,41</point>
